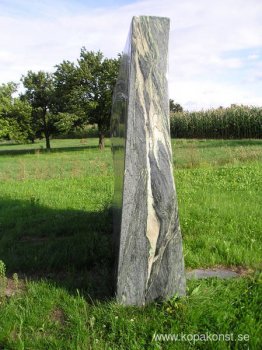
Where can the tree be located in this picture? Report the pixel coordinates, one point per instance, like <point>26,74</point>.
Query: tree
<point>40,94</point>
<point>20,117</point>
<point>68,104</point>
<point>15,115</point>
<point>83,92</point>
<point>66,84</point>
<point>6,92</point>
<point>175,107</point>
<point>97,76</point>
<point>5,128</point>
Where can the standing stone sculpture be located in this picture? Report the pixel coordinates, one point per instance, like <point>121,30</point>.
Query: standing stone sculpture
<point>150,261</point>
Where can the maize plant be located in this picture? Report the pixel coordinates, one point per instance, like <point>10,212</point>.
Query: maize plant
<point>233,122</point>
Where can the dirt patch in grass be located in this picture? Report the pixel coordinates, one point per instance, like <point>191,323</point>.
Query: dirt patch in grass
<point>58,316</point>
<point>14,287</point>
<point>218,271</point>
<point>241,270</point>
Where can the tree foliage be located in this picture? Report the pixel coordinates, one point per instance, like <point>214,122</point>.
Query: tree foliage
<point>75,95</point>
<point>98,77</point>
<point>40,94</point>
<point>15,115</point>
<point>174,107</point>
<point>85,90</point>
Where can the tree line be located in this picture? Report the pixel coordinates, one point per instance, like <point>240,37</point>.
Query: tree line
<point>74,96</point>
<point>79,94</point>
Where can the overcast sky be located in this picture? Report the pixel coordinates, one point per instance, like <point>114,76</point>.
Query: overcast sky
<point>215,55</point>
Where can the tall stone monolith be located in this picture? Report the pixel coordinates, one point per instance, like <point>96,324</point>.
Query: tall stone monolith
<point>150,261</point>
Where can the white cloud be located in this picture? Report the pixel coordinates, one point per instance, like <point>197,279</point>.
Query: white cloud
<point>201,33</point>
<point>196,95</point>
<point>253,57</point>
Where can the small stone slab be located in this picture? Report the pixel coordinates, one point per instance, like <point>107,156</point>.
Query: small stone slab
<point>207,273</point>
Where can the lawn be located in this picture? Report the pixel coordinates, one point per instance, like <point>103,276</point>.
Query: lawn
<point>55,232</point>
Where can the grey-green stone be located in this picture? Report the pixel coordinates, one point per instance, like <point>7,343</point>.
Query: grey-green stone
<point>150,262</point>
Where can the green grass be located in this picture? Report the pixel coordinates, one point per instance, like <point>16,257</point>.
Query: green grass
<point>56,228</point>
<point>220,212</point>
<point>69,158</point>
<point>48,317</point>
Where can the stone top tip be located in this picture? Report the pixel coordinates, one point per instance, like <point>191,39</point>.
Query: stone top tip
<point>151,18</point>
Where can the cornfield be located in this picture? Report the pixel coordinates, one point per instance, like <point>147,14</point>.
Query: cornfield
<point>233,122</point>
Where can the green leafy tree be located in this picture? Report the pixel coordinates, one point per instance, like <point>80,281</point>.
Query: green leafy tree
<point>175,107</point>
<point>68,104</point>
<point>5,128</point>
<point>67,88</point>
<point>83,92</point>
<point>40,94</point>
<point>15,115</point>
<point>6,93</point>
<point>5,104</point>
<point>20,117</point>
<point>66,122</point>
<point>98,77</point>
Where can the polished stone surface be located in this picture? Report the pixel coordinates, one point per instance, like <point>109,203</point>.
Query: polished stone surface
<point>147,231</point>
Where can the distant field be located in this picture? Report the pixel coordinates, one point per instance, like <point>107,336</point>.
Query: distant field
<point>55,223</point>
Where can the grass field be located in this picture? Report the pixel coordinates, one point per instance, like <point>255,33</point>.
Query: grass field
<point>55,231</point>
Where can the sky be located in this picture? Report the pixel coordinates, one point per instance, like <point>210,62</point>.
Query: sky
<point>215,47</point>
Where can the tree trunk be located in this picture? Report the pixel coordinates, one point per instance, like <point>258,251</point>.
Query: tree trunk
<point>101,140</point>
<point>46,132</point>
<point>47,142</point>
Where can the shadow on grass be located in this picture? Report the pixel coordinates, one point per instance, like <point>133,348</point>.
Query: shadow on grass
<point>70,248</point>
<point>15,152</point>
